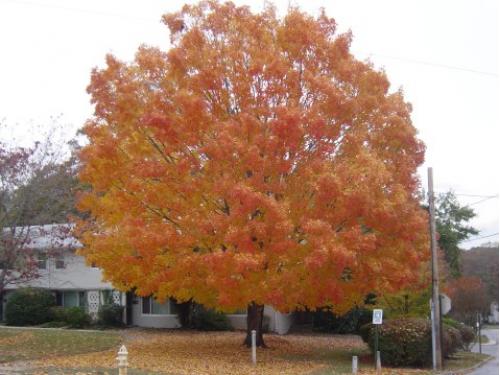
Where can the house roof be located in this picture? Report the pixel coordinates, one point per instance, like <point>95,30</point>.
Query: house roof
<point>44,236</point>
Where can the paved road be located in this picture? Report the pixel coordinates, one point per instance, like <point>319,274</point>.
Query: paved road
<point>491,367</point>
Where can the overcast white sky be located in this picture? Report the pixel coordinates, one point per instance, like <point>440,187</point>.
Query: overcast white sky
<point>443,53</point>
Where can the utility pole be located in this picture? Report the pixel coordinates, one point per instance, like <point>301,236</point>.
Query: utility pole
<point>436,303</point>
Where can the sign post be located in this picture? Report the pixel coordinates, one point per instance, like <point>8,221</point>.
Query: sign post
<point>478,325</point>
<point>377,320</point>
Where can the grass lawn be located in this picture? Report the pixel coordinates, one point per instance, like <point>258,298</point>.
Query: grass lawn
<point>174,352</point>
<point>464,360</point>
<point>30,344</point>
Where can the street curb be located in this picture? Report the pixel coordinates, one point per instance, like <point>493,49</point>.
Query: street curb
<point>469,369</point>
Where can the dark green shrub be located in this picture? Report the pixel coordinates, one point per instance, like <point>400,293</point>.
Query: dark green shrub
<point>111,315</point>
<point>76,317</point>
<point>210,320</point>
<point>402,342</point>
<point>365,331</point>
<point>364,317</point>
<point>58,314</point>
<point>451,322</point>
<point>351,322</point>
<point>29,306</point>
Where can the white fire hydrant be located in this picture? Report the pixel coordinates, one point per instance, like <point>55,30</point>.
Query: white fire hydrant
<point>122,360</point>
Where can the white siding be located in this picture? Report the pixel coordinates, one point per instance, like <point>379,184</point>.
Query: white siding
<point>238,321</point>
<point>152,320</point>
<point>278,322</point>
<point>75,276</point>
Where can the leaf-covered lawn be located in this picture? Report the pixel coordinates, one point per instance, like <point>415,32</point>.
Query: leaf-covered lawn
<point>29,344</point>
<point>179,352</point>
<point>174,352</point>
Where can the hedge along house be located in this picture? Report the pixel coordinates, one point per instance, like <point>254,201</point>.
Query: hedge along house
<point>60,270</point>
<point>74,283</point>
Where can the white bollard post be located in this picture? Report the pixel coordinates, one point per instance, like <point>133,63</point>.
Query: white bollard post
<point>122,360</point>
<point>354,364</point>
<point>254,347</point>
<point>379,364</point>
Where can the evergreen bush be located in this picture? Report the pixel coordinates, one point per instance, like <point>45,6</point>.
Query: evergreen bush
<point>351,322</point>
<point>210,320</point>
<point>29,306</point>
<point>76,317</point>
<point>111,315</point>
<point>58,314</point>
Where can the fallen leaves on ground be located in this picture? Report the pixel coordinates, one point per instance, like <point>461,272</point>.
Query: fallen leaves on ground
<point>214,353</point>
<point>29,344</point>
<point>15,339</point>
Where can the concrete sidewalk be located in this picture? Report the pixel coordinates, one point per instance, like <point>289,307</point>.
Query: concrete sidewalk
<point>490,367</point>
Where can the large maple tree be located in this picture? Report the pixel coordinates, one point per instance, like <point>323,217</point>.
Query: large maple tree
<point>255,162</point>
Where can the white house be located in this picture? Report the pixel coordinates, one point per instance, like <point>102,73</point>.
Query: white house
<point>74,283</point>
<point>493,317</point>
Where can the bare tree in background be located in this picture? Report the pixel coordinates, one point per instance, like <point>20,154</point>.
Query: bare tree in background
<point>36,187</point>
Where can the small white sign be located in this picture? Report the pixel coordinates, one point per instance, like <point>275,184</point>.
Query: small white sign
<point>445,304</point>
<point>377,316</point>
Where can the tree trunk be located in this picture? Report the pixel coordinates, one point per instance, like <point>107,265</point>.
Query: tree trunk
<point>184,312</point>
<point>255,316</point>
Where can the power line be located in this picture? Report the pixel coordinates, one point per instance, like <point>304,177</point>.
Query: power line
<point>436,65</point>
<point>478,238</point>
<point>403,59</point>
<point>476,195</point>
<point>486,197</point>
<point>467,195</point>
<point>482,200</point>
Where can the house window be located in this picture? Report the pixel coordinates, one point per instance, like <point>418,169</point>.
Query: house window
<point>70,299</point>
<point>151,306</point>
<point>106,297</point>
<point>60,262</point>
<point>42,261</point>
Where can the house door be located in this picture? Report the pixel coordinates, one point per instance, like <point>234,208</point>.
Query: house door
<point>129,299</point>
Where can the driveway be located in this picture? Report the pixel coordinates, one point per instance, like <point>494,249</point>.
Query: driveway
<point>491,367</point>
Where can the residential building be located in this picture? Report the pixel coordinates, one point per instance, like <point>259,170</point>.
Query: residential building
<point>75,283</point>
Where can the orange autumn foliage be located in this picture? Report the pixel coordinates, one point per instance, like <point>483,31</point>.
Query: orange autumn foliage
<point>255,161</point>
